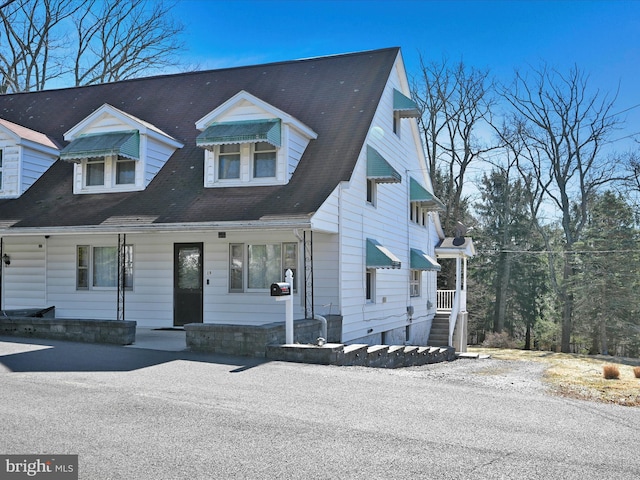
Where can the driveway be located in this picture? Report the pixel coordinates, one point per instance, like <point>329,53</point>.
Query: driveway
<point>146,414</point>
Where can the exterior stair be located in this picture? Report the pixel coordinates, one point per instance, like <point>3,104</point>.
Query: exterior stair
<point>377,356</point>
<point>439,334</point>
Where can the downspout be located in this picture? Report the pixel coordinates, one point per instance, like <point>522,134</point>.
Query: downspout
<point>323,336</point>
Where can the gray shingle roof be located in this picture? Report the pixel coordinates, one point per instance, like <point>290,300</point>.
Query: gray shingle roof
<point>335,96</point>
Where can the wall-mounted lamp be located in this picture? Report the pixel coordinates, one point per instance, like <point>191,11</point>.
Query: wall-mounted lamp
<point>6,259</point>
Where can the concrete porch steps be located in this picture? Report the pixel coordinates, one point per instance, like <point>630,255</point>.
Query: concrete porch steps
<point>376,356</point>
<point>439,334</point>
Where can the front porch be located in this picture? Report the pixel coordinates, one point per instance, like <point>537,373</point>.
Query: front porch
<point>450,322</point>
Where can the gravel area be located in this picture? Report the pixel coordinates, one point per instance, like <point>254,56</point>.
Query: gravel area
<point>504,375</point>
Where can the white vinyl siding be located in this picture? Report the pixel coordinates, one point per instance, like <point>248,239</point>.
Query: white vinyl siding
<point>150,303</point>
<point>389,223</point>
<point>21,166</point>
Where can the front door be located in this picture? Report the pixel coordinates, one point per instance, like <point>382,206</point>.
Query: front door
<point>187,283</point>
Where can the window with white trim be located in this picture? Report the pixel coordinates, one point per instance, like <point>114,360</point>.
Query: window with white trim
<point>254,267</point>
<point>370,285</point>
<point>97,267</point>
<point>371,191</point>
<point>418,214</point>
<point>108,172</point>
<point>415,283</point>
<point>239,163</point>
<point>264,160</point>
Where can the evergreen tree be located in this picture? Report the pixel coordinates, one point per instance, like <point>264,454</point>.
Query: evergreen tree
<point>609,270</point>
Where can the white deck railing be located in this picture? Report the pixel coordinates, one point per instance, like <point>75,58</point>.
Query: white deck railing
<point>444,300</point>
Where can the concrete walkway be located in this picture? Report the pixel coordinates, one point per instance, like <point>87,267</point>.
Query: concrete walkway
<point>167,340</point>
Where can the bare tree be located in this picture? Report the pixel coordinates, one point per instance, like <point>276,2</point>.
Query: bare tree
<point>558,132</point>
<point>120,40</point>
<point>455,102</point>
<point>29,43</point>
<point>80,42</point>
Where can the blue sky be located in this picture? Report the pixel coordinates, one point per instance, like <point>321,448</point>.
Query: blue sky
<point>601,37</point>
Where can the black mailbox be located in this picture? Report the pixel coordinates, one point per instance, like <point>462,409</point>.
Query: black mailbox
<point>280,289</point>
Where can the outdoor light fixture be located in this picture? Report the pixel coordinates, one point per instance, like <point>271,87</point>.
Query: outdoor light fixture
<point>6,259</point>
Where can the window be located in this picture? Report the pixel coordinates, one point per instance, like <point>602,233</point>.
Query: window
<point>125,171</point>
<point>236,257</point>
<point>100,174</point>
<point>370,285</point>
<point>256,267</point>
<point>396,123</point>
<point>229,162</point>
<point>418,214</point>
<point>371,191</point>
<point>97,267</point>
<point>415,283</point>
<point>95,172</point>
<point>264,160</point>
<point>238,163</point>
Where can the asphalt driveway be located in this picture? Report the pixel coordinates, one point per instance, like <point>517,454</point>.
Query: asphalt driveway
<point>145,414</point>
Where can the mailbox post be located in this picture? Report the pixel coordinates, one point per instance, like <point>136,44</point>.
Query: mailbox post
<point>282,292</point>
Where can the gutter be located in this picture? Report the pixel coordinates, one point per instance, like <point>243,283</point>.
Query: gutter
<point>267,224</point>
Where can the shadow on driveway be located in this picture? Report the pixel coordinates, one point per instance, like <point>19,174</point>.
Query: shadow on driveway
<point>39,355</point>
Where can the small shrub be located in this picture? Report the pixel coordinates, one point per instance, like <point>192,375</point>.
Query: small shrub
<point>636,371</point>
<point>499,340</point>
<point>611,372</point>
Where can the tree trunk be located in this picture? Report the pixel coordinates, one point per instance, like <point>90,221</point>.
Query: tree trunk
<point>527,337</point>
<point>566,298</point>
<point>502,290</point>
<point>603,337</point>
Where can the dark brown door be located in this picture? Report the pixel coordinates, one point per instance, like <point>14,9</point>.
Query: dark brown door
<point>187,283</point>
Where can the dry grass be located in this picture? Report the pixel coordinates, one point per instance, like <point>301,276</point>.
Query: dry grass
<point>580,376</point>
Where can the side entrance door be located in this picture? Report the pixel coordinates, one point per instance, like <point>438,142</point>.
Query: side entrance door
<point>187,283</point>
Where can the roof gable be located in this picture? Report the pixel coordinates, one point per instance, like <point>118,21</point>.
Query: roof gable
<point>28,137</point>
<point>237,108</point>
<point>109,119</point>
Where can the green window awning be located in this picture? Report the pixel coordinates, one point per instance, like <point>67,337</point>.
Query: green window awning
<point>250,131</point>
<point>405,107</point>
<point>123,144</point>
<point>379,169</point>
<point>379,256</point>
<point>417,193</point>
<point>422,261</point>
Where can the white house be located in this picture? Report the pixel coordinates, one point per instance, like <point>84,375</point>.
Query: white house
<point>179,199</point>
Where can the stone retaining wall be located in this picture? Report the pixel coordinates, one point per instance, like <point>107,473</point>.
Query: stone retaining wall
<point>252,340</point>
<point>377,356</point>
<point>75,330</point>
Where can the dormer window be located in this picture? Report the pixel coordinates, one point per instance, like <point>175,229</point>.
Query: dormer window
<point>115,152</point>
<point>249,142</point>
<point>264,160</point>
<point>229,162</point>
<point>95,172</point>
